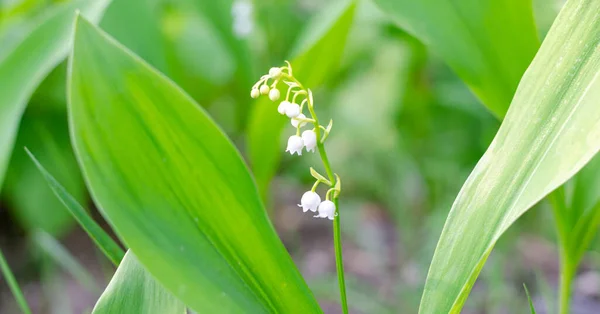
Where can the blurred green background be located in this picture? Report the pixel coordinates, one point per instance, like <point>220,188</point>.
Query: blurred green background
<point>407,133</point>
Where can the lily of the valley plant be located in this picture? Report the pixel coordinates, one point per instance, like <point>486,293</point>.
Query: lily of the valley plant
<point>298,100</point>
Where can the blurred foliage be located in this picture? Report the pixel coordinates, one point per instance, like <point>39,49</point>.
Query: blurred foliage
<point>407,133</point>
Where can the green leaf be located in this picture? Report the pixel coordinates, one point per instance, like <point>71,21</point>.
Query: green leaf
<point>173,186</point>
<point>24,68</point>
<point>111,249</point>
<point>578,212</point>
<point>488,43</point>
<point>133,290</point>
<point>320,49</point>
<point>576,226</point>
<point>550,132</point>
<point>531,308</point>
<point>586,189</point>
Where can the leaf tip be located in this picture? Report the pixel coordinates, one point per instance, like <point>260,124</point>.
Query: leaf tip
<point>30,154</point>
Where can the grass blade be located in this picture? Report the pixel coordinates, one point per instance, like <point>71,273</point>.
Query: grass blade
<point>529,300</point>
<point>554,111</point>
<point>13,285</point>
<point>110,248</point>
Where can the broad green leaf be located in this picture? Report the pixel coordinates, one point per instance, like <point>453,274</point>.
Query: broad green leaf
<point>173,186</point>
<point>24,68</point>
<point>586,188</point>
<point>133,290</point>
<point>318,54</point>
<point>106,244</point>
<point>577,213</point>
<point>550,132</point>
<point>583,232</point>
<point>29,197</point>
<point>488,43</point>
<point>61,256</point>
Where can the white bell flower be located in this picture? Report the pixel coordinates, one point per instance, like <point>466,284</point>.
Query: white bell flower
<point>254,93</point>
<point>295,145</point>
<point>309,137</point>
<point>274,94</point>
<point>293,110</point>
<point>241,12</point>
<point>264,89</point>
<point>242,27</point>
<point>283,106</point>
<point>295,121</point>
<point>326,210</point>
<point>275,72</point>
<point>310,201</point>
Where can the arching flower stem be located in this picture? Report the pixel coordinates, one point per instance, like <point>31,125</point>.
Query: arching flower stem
<point>336,222</point>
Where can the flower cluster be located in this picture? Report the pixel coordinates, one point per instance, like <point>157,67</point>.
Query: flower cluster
<point>297,99</point>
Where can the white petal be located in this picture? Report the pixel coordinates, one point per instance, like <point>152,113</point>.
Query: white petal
<point>293,110</point>
<point>275,72</point>
<point>274,94</point>
<point>283,106</point>
<point>295,122</point>
<point>327,209</point>
<point>310,140</point>
<point>264,89</point>
<point>295,145</point>
<point>310,200</point>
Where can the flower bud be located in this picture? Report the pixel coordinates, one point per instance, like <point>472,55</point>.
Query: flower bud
<point>283,106</point>
<point>310,201</point>
<point>295,145</point>
<point>254,93</point>
<point>275,72</point>
<point>309,137</point>
<point>295,121</point>
<point>326,210</point>
<point>293,110</point>
<point>274,94</point>
<point>264,89</point>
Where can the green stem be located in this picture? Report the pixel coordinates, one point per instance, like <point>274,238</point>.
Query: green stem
<point>567,265</point>
<point>337,235</point>
<point>12,283</point>
<point>339,261</point>
<point>566,279</point>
